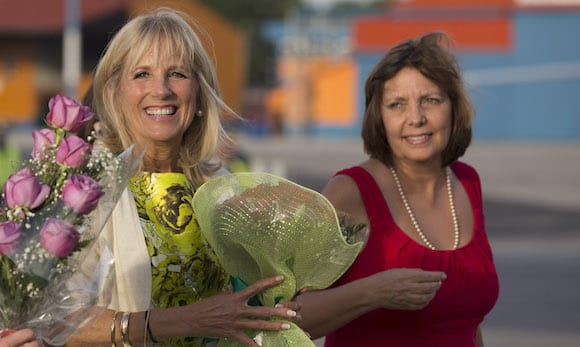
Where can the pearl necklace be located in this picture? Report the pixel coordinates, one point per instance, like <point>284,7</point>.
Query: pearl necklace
<point>412,216</point>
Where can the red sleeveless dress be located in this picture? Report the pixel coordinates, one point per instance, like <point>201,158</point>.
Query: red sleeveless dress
<point>465,297</point>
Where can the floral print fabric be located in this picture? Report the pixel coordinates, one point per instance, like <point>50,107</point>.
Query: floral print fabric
<point>183,267</point>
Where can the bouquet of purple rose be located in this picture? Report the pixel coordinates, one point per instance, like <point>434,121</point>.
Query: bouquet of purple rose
<point>52,210</point>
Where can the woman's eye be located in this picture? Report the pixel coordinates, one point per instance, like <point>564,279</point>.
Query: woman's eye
<point>141,74</point>
<point>433,100</point>
<point>177,74</point>
<point>395,105</point>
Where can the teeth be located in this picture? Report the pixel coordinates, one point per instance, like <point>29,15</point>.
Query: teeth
<point>417,139</point>
<point>161,111</point>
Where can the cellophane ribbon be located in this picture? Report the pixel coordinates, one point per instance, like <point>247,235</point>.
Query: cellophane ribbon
<point>262,225</point>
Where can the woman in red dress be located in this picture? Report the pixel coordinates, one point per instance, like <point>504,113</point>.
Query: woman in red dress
<point>426,276</point>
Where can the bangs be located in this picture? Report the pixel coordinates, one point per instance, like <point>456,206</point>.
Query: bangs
<point>164,41</point>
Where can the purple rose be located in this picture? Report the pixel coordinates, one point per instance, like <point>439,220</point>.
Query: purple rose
<point>67,114</point>
<point>9,237</point>
<point>58,237</point>
<point>81,193</point>
<point>73,151</point>
<point>23,189</point>
<point>42,138</point>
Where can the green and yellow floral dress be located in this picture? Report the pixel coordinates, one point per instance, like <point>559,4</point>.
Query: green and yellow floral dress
<point>183,267</point>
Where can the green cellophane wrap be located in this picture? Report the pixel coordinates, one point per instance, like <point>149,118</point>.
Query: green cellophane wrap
<point>262,225</point>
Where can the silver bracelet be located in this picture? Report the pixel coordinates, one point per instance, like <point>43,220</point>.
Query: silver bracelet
<point>113,328</point>
<point>146,330</point>
<point>125,329</point>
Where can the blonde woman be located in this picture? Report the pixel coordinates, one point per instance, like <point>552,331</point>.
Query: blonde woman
<point>155,87</point>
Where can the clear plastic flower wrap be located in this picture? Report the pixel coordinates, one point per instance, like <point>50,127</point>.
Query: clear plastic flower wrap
<point>52,211</point>
<point>262,225</point>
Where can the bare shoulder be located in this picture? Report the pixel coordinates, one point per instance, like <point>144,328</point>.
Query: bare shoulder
<point>343,193</point>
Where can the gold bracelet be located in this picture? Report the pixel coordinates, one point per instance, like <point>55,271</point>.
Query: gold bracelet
<point>125,329</point>
<point>113,328</point>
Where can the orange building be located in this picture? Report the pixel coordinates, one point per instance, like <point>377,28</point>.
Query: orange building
<point>31,49</point>
<point>319,91</point>
<point>318,79</point>
<point>476,25</point>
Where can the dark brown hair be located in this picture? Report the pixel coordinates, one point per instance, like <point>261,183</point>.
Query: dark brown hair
<point>430,55</point>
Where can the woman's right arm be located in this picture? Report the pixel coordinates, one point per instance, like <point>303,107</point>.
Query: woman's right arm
<point>324,311</point>
<point>221,316</point>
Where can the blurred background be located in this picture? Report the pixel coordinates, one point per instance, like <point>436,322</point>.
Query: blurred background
<point>295,70</point>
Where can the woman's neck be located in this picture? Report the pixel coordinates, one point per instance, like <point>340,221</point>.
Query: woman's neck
<point>161,161</point>
<point>423,179</point>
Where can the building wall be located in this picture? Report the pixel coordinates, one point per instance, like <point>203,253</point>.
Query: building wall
<point>318,93</point>
<point>17,89</point>
<point>530,92</point>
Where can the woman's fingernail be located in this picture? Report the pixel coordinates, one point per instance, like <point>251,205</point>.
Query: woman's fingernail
<point>285,326</point>
<point>278,305</point>
<point>279,278</point>
<point>291,313</point>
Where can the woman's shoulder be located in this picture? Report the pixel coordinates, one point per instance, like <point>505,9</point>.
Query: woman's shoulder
<point>340,187</point>
<point>345,180</point>
<point>343,191</point>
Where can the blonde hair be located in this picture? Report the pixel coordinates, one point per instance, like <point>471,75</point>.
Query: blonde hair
<point>171,32</point>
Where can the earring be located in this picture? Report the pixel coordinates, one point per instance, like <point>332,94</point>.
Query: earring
<point>198,113</point>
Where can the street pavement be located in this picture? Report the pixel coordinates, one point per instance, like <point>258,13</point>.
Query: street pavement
<point>532,207</point>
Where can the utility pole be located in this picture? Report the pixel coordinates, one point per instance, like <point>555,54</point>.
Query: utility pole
<point>71,48</point>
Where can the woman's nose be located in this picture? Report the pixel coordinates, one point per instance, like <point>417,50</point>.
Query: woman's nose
<point>416,116</point>
<point>162,87</point>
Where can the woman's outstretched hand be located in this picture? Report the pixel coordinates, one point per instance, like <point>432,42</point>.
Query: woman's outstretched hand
<point>228,315</point>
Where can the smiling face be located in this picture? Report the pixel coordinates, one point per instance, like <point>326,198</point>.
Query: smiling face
<point>417,118</point>
<point>159,98</point>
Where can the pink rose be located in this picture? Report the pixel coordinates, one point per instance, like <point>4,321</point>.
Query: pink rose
<point>73,151</point>
<point>81,193</point>
<point>58,237</point>
<point>67,114</point>
<point>9,237</point>
<point>42,138</point>
<point>23,189</point>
